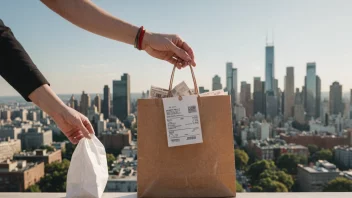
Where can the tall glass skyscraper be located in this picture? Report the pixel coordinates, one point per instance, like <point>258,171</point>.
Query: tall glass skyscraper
<point>234,85</point>
<point>311,88</point>
<point>229,66</point>
<point>121,97</point>
<point>269,68</point>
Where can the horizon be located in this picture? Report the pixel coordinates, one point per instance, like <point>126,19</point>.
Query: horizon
<point>219,32</point>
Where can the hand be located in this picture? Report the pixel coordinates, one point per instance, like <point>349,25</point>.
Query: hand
<point>73,124</point>
<point>168,47</point>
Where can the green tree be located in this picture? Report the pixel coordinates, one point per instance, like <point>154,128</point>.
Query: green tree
<point>257,189</point>
<point>324,154</point>
<point>289,162</point>
<point>312,148</point>
<point>110,159</point>
<point>339,184</point>
<point>241,159</point>
<point>269,185</point>
<point>277,175</point>
<point>34,188</point>
<point>55,178</point>
<point>257,168</point>
<point>239,187</point>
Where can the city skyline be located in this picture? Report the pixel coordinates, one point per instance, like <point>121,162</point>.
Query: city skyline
<point>237,33</point>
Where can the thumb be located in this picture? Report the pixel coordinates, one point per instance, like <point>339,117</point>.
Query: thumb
<point>83,129</point>
<point>180,52</point>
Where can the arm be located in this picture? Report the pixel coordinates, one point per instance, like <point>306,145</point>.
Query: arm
<point>85,14</point>
<point>88,16</point>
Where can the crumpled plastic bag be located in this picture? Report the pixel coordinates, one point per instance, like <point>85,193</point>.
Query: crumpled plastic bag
<point>88,172</point>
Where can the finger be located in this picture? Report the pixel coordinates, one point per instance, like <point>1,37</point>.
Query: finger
<point>89,126</point>
<point>83,129</point>
<point>181,63</point>
<point>76,139</point>
<point>180,53</point>
<point>189,51</point>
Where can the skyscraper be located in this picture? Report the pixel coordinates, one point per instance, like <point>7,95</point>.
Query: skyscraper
<point>229,75</point>
<point>318,100</point>
<point>106,102</point>
<point>336,105</point>
<point>97,103</point>
<point>298,107</point>
<point>311,89</point>
<point>245,98</point>
<point>85,103</point>
<point>258,95</point>
<point>216,83</point>
<point>121,97</point>
<point>73,103</point>
<point>289,92</point>
<point>269,68</point>
<point>234,85</point>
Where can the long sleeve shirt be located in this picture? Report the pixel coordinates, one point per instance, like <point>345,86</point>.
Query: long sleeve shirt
<point>16,67</point>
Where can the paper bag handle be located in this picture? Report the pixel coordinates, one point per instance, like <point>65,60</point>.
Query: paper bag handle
<point>172,80</point>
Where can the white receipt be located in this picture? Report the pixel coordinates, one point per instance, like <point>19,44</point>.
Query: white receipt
<point>182,121</point>
<point>213,93</point>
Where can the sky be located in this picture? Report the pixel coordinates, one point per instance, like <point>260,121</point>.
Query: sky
<point>219,31</point>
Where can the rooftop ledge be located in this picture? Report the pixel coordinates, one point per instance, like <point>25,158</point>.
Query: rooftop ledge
<point>239,195</point>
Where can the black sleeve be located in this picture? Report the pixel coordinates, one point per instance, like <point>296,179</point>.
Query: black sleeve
<point>16,67</point>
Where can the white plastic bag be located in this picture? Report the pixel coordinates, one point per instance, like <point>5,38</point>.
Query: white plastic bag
<point>88,172</point>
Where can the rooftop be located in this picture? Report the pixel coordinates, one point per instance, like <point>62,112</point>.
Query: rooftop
<point>239,195</point>
<point>322,166</point>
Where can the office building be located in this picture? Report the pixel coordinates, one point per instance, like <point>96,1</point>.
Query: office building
<point>245,98</point>
<point>36,137</point>
<point>311,90</point>
<point>322,141</point>
<point>116,140</point>
<point>289,92</point>
<point>229,75</point>
<point>8,148</point>
<point>269,68</point>
<point>18,176</point>
<point>202,90</point>
<point>97,103</point>
<point>298,107</point>
<point>39,155</point>
<point>272,149</point>
<point>314,178</point>
<point>121,97</point>
<point>335,101</point>
<point>258,96</point>
<point>106,102</point>
<point>271,105</point>
<point>234,85</point>
<point>216,83</point>
<point>32,115</point>
<point>5,115</point>
<point>73,103</point>
<point>264,130</point>
<point>9,131</point>
<point>85,103</point>
<point>343,156</point>
<point>318,99</point>
<point>121,184</point>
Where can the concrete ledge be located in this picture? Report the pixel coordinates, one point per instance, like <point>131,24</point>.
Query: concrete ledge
<point>239,195</point>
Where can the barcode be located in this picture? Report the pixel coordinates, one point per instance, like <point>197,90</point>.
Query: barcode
<point>192,109</point>
<point>191,137</point>
<point>175,140</point>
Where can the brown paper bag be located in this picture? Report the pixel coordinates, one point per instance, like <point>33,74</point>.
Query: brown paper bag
<point>198,170</point>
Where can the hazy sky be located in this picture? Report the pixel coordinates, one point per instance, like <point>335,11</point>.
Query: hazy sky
<point>219,31</point>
